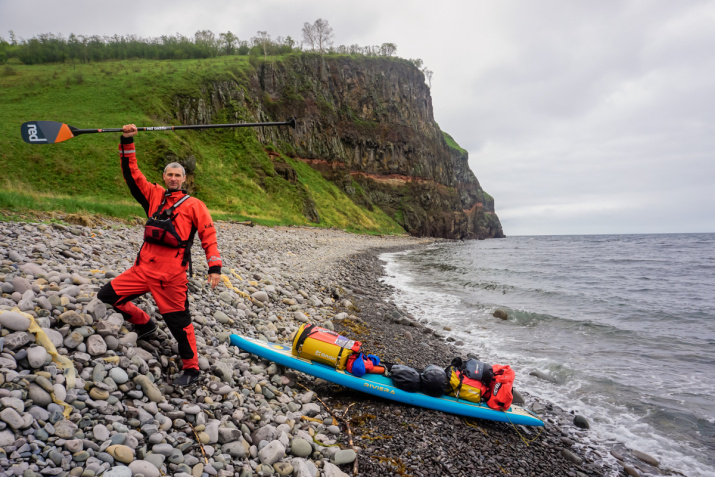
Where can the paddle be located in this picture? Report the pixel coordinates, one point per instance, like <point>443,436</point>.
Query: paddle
<point>50,132</point>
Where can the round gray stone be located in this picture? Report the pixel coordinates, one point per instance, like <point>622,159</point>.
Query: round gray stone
<point>163,449</point>
<point>300,447</point>
<point>344,456</point>
<point>12,418</point>
<point>118,471</point>
<point>15,403</point>
<point>100,433</point>
<point>36,356</point>
<point>118,375</point>
<point>65,429</point>
<point>147,469</point>
<point>96,345</point>
<point>15,321</point>
<point>582,422</point>
<point>38,395</point>
<point>21,284</point>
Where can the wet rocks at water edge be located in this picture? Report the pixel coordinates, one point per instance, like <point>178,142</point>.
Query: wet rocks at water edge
<point>501,314</point>
<point>81,396</point>
<point>582,422</point>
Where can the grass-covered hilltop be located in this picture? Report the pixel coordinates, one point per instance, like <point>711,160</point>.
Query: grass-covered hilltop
<point>366,155</point>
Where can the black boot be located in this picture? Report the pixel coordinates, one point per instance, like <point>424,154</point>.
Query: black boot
<point>145,331</point>
<point>187,377</point>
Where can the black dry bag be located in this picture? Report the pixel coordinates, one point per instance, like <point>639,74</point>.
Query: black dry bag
<point>433,381</point>
<point>405,378</point>
<point>473,369</point>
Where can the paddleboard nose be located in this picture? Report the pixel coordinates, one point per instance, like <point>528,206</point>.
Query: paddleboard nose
<point>234,340</point>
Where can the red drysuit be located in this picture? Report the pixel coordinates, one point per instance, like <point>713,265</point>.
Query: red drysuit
<point>158,269</point>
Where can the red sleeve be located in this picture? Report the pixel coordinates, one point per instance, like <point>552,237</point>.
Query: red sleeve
<point>207,234</point>
<point>140,188</point>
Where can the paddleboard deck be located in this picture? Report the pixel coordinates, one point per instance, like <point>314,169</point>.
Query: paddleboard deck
<point>382,386</point>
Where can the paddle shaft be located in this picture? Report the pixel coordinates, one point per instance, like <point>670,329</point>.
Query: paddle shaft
<point>176,128</point>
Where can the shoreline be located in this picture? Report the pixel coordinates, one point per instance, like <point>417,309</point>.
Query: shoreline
<point>247,416</point>
<point>494,448</point>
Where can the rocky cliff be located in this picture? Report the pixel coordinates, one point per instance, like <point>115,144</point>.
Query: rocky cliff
<point>367,125</point>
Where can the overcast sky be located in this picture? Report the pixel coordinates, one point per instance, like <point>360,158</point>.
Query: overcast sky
<point>579,116</point>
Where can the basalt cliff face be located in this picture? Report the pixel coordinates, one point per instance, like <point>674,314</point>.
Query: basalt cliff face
<point>367,125</point>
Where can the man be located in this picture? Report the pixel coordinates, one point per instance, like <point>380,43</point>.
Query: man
<point>160,267</point>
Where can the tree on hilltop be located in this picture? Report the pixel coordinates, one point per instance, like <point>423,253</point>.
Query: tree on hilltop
<point>263,39</point>
<point>388,49</point>
<point>319,35</point>
<point>206,41</point>
<point>309,35</point>
<point>227,42</point>
<point>4,47</point>
<point>428,74</point>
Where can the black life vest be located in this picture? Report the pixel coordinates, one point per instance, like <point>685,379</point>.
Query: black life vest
<point>159,230</point>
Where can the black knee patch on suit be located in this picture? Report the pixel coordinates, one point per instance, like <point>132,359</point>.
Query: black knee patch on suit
<point>107,294</point>
<point>177,319</point>
<point>176,322</point>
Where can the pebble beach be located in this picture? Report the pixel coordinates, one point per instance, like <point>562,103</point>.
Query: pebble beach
<point>81,396</point>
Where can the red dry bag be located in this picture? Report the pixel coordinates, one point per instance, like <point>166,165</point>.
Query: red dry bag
<point>500,394</point>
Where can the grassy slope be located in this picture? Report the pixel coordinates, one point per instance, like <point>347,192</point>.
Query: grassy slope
<point>234,174</point>
<point>452,143</point>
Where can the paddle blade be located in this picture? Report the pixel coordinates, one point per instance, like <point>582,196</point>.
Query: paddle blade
<point>45,132</point>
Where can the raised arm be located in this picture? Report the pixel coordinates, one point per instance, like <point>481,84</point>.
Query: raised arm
<point>139,187</point>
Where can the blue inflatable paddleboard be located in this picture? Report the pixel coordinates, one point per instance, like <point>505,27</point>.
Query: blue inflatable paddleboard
<point>379,385</point>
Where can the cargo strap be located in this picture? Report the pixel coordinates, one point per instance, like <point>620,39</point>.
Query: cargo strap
<point>456,390</point>
<point>168,213</point>
<point>307,331</point>
<point>340,354</point>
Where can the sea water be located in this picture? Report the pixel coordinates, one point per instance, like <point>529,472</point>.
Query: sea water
<point>623,327</point>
